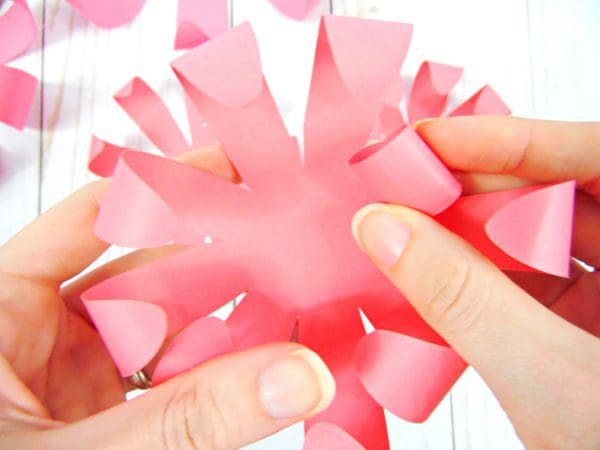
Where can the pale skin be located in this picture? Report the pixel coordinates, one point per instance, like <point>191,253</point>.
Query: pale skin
<point>59,388</point>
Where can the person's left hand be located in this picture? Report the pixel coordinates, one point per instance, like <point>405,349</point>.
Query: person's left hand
<point>60,389</point>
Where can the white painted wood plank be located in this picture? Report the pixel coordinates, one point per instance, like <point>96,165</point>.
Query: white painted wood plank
<point>20,150</point>
<point>565,50</point>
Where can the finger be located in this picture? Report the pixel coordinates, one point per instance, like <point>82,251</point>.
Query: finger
<point>224,404</point>
<point>490,321</point>
<point>61,243</point>
<point>543,151</point>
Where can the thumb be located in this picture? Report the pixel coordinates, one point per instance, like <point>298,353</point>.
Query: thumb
<point>519,347</point>
<point>224,404</point>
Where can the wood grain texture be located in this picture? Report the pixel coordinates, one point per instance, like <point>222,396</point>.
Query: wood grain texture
<point>540,55</point>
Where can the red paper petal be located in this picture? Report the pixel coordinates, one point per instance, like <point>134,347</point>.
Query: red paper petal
<point>104,157</point>
<point>484,101</point>
<point>325,435</point>
<point>133,331</point>
<point>17,32</point>
<point>407,376</point>
<point>430,90</point>
<point>402,169</point>
<point>199,21</point>
<point>17,92</point>
<point>203,339</point>
<point>108,13</point>
<point>536,228</point>
<point>149,112</point>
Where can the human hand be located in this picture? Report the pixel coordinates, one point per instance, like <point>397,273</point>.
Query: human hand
<point>59,388</point>
<point>544,371</point>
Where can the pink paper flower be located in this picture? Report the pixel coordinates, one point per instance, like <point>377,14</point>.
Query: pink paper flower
<point>283,236</point>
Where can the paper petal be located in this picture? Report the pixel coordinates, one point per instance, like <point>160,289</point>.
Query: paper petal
<point>325,435</point>
<point>355,64</point>
<point>250,131</point>
<point>430,90</point>
<point>133,331</point>
<point>190,284</point>
<point>203,339</point>
<point>402,169</point>
<point>239,78</point>
<point>296,9</point>
<point>257,320</point>
<point>17,92</point>
<point>104,157</point>
<point>333,333</point>
<point>164,201</point>
<point>146,109</point>
<point>407,376</point>
<point>200,20</point>
<point>484,101</point>
<point>468,217</point>
<point>536,228</point>
<point>108,13</point>
<point>17,32</point>
<point>202,136</point>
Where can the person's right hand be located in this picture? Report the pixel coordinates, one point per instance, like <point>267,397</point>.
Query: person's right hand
<point>544,371</point>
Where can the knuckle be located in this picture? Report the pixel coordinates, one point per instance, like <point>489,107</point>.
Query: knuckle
<point>196,420</point>
<point>455,294</point>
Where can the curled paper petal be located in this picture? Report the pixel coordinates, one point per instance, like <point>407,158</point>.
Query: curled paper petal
<point>484,101</point>
<point>402,169</point>
<point>536,228</point>
<point>17,92</point>
<point>355,64</point>
<point>296,9</point>
<point>549,215</point>
<point>133,331</point>
<point>108,13</point>
<point>203,339</point>
<point>407,376</point>
<point>187,285</point>
<point>17,32</point>
<point>146,108</point>
<point>326,435</point>
<point>200,20</point>
<point>239,80</point>
<point>430,90</point>
<point>104,157</point>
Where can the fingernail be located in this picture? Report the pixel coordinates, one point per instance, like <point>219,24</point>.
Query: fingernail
<point>381,234</point>
<point>296,385</point>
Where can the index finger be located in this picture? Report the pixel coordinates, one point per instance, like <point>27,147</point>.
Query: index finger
<point>537,150</point>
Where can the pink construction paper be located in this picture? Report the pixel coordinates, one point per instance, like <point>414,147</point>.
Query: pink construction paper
<point>282,237</point>
<point>108,13</point>
<point>143,324</point>
<point>17,92</point>
<point>522,229</point>
<point>407,376</point>
<point>430,90</point>
<point>484,101</point>
<point>146,108</point>
<point>104,157</point>
<point>200,341</point>
<point>296,9</point>
<point>17,31</point>
<point>326,435</point>
<point>199,21</point>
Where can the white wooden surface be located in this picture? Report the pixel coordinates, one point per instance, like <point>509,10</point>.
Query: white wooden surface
<point>540,55</point>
